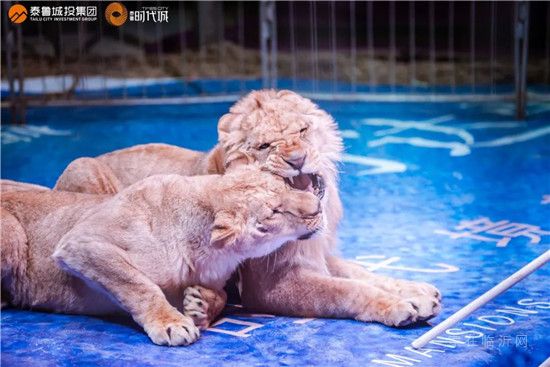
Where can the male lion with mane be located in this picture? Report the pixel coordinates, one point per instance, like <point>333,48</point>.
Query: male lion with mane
<point>293,138</point>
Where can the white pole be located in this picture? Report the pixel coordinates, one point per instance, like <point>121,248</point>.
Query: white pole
<point>482,300</point>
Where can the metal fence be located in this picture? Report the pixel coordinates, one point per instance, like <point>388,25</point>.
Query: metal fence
<point>211,51</point>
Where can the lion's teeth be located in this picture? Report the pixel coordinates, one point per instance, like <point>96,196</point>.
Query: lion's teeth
<point>291,179</point>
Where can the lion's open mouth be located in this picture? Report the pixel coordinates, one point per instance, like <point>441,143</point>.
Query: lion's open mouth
<point>308,182</point>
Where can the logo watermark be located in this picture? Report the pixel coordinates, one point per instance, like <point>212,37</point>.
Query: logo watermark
<point>17,13</point>
<point>67,13</point>
<point>116,14</point>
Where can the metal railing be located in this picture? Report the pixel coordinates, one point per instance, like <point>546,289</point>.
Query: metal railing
<point>214,51</point>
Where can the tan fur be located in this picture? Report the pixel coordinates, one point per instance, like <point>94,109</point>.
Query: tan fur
<point>9,185</point>
<point>138,250</point>
<point>303,278</point>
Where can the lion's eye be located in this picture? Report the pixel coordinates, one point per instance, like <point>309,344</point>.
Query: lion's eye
<point>303,130</point>
<point>264,146</point>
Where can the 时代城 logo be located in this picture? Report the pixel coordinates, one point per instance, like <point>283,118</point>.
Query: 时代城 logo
<point>116,14</point>
<point>17,13</point>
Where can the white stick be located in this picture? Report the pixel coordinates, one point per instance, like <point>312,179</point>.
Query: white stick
<point>482,300</point>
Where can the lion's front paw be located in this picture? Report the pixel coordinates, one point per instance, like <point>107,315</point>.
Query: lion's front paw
<point>196,307</point>
<point>425,297</point>
<point>426,306</point>
<point>392,312</point>
<point>172,329</point>
<point>411,310</point>
<point>203,305</point>
<point>401,313</point>
<point>409,289</point>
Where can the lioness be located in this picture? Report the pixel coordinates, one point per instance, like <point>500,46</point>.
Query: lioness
<point>136,251</point>
<point>292,137</point>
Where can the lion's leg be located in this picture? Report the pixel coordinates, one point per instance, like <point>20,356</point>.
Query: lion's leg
<point>40,286</point>
<point>90,176</point>
<point>404,288</point>
<point>13,252</point>
<point>203,305</point>
<point>108,266</point>
<point>299,292</point>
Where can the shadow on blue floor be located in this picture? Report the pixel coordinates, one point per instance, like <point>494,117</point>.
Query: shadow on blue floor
<point>457,194</point>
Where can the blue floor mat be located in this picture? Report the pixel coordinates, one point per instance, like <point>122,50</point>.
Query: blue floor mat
<point>456,194</point>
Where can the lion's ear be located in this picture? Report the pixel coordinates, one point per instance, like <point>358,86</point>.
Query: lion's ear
<point>236,159</point>
<point>252,101</point>
<point>215,162</point>
<point>283,93</point>
<point>226,125</point>
<point>226,230</point>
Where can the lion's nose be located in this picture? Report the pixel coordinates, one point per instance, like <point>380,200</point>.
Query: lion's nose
<point>296,163</point>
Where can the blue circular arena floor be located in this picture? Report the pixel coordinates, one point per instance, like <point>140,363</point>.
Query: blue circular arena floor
<point>456,194</point>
